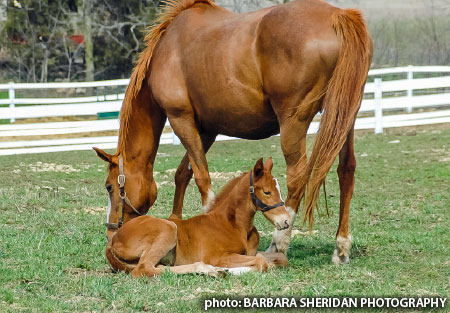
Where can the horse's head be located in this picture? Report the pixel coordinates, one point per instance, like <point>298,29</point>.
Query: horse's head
<point>266,194</point>
<point>131,190</point>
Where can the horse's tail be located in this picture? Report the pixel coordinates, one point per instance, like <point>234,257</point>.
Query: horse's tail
<point>116,263</point>
<point>340,104</point>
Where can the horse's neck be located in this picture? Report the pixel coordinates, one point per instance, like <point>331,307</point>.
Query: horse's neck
<point>239,207</point>
<point>139,142</point>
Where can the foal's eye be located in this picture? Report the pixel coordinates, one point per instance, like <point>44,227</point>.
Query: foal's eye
<point>109,188</point>
<point>267,192</point>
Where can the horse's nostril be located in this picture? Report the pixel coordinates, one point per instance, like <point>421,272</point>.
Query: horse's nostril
<point>286,223</point>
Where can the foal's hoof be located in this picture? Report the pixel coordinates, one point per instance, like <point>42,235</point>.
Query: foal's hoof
<point>207,269</point>
<point>218,273</point>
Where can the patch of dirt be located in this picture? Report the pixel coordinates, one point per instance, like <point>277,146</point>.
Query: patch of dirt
<point>295,232</point>
<point>81,271</point>
<point>62,136</point>
<point>224,175</point>
<point>52,167</point>
<point>214,176</point>
<point>165,183</point>
<point>96,210</point>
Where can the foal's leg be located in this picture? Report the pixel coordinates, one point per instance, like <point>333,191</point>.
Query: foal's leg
<point>186,129</point>
<point>256,263</point>
<point>346,170</point>
<point>182,177</point>
<point>154,249</point>
<point>275,259</point>
<point>196,268</point>
<point>252,242</point>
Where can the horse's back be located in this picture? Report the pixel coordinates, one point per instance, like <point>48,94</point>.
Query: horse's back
<point>225,67</point>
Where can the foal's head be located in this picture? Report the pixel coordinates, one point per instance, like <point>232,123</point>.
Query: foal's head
<point>267,195</point>
<point>136,196</point>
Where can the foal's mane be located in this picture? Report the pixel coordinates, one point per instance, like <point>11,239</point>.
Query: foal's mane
<point>168,13</point>
<point>226,191</point>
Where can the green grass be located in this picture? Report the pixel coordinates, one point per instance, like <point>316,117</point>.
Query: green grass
<point>52,236</point>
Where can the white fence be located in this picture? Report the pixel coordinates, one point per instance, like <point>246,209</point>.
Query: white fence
<point>438,87</point>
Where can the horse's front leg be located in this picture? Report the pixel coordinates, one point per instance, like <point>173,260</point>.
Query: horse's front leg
<point>183,176</point>
<point>293,144</point>
<point>186,129</point>
<point>346,173</point>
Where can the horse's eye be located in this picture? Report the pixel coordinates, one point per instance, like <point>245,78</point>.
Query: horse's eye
<point>109,188</point>
<point>267,192</point>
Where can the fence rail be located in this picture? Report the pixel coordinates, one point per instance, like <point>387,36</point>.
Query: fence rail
<point>439,87</point>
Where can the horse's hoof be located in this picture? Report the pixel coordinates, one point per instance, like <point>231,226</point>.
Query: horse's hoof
<point>272,248</point>
<point>336,259</point>
<point>341,254</point>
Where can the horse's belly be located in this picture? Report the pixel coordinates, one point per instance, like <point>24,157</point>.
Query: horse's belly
<point>242,120</point>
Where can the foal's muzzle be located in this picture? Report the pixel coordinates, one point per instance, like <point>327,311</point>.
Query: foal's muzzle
<point>282,225</point>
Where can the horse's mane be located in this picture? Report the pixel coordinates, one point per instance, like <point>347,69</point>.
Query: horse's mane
<point>226,191</point>
<point>168,13</point>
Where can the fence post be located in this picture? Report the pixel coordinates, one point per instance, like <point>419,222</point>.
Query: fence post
<point>409,90</point>
<point>378,107</point>
<point>12,95</point>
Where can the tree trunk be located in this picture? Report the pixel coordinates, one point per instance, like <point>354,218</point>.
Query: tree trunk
<point>88,42</point>
<point>44,70</point>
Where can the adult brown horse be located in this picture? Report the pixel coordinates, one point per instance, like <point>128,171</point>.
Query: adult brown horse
<point>223,237</point>
<point>210,72</point>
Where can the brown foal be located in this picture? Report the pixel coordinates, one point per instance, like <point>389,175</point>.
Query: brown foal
<point>223,237</point>
<point>210,71</point>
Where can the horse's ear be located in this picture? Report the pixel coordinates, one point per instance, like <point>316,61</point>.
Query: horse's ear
<point>103,155</point>
<point>258,169</point>
<point>268,165</point>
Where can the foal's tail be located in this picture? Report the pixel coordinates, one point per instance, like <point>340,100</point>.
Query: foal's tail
<point>341,102</point>
<point>116,263</point>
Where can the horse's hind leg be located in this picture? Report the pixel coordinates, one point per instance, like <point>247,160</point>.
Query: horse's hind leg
<point>182,177</point>
<point>346,170</point>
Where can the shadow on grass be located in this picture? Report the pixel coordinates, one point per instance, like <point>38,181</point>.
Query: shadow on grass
<point>314,253</point>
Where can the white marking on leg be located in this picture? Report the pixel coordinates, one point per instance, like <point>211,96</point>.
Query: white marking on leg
<point>291,212</point>
<point>238,270</point>
<point>108,213</point>
<point>209,201</point>
<point>189,166</point>
<point>341,254</point>
<point>282,238</point>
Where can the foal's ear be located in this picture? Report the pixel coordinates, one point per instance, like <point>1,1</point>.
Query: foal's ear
<point>258,169</point>
<point>103,155</point>
<point>268,165</point>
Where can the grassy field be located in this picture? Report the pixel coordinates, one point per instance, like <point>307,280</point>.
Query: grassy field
<point>52,236</point>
